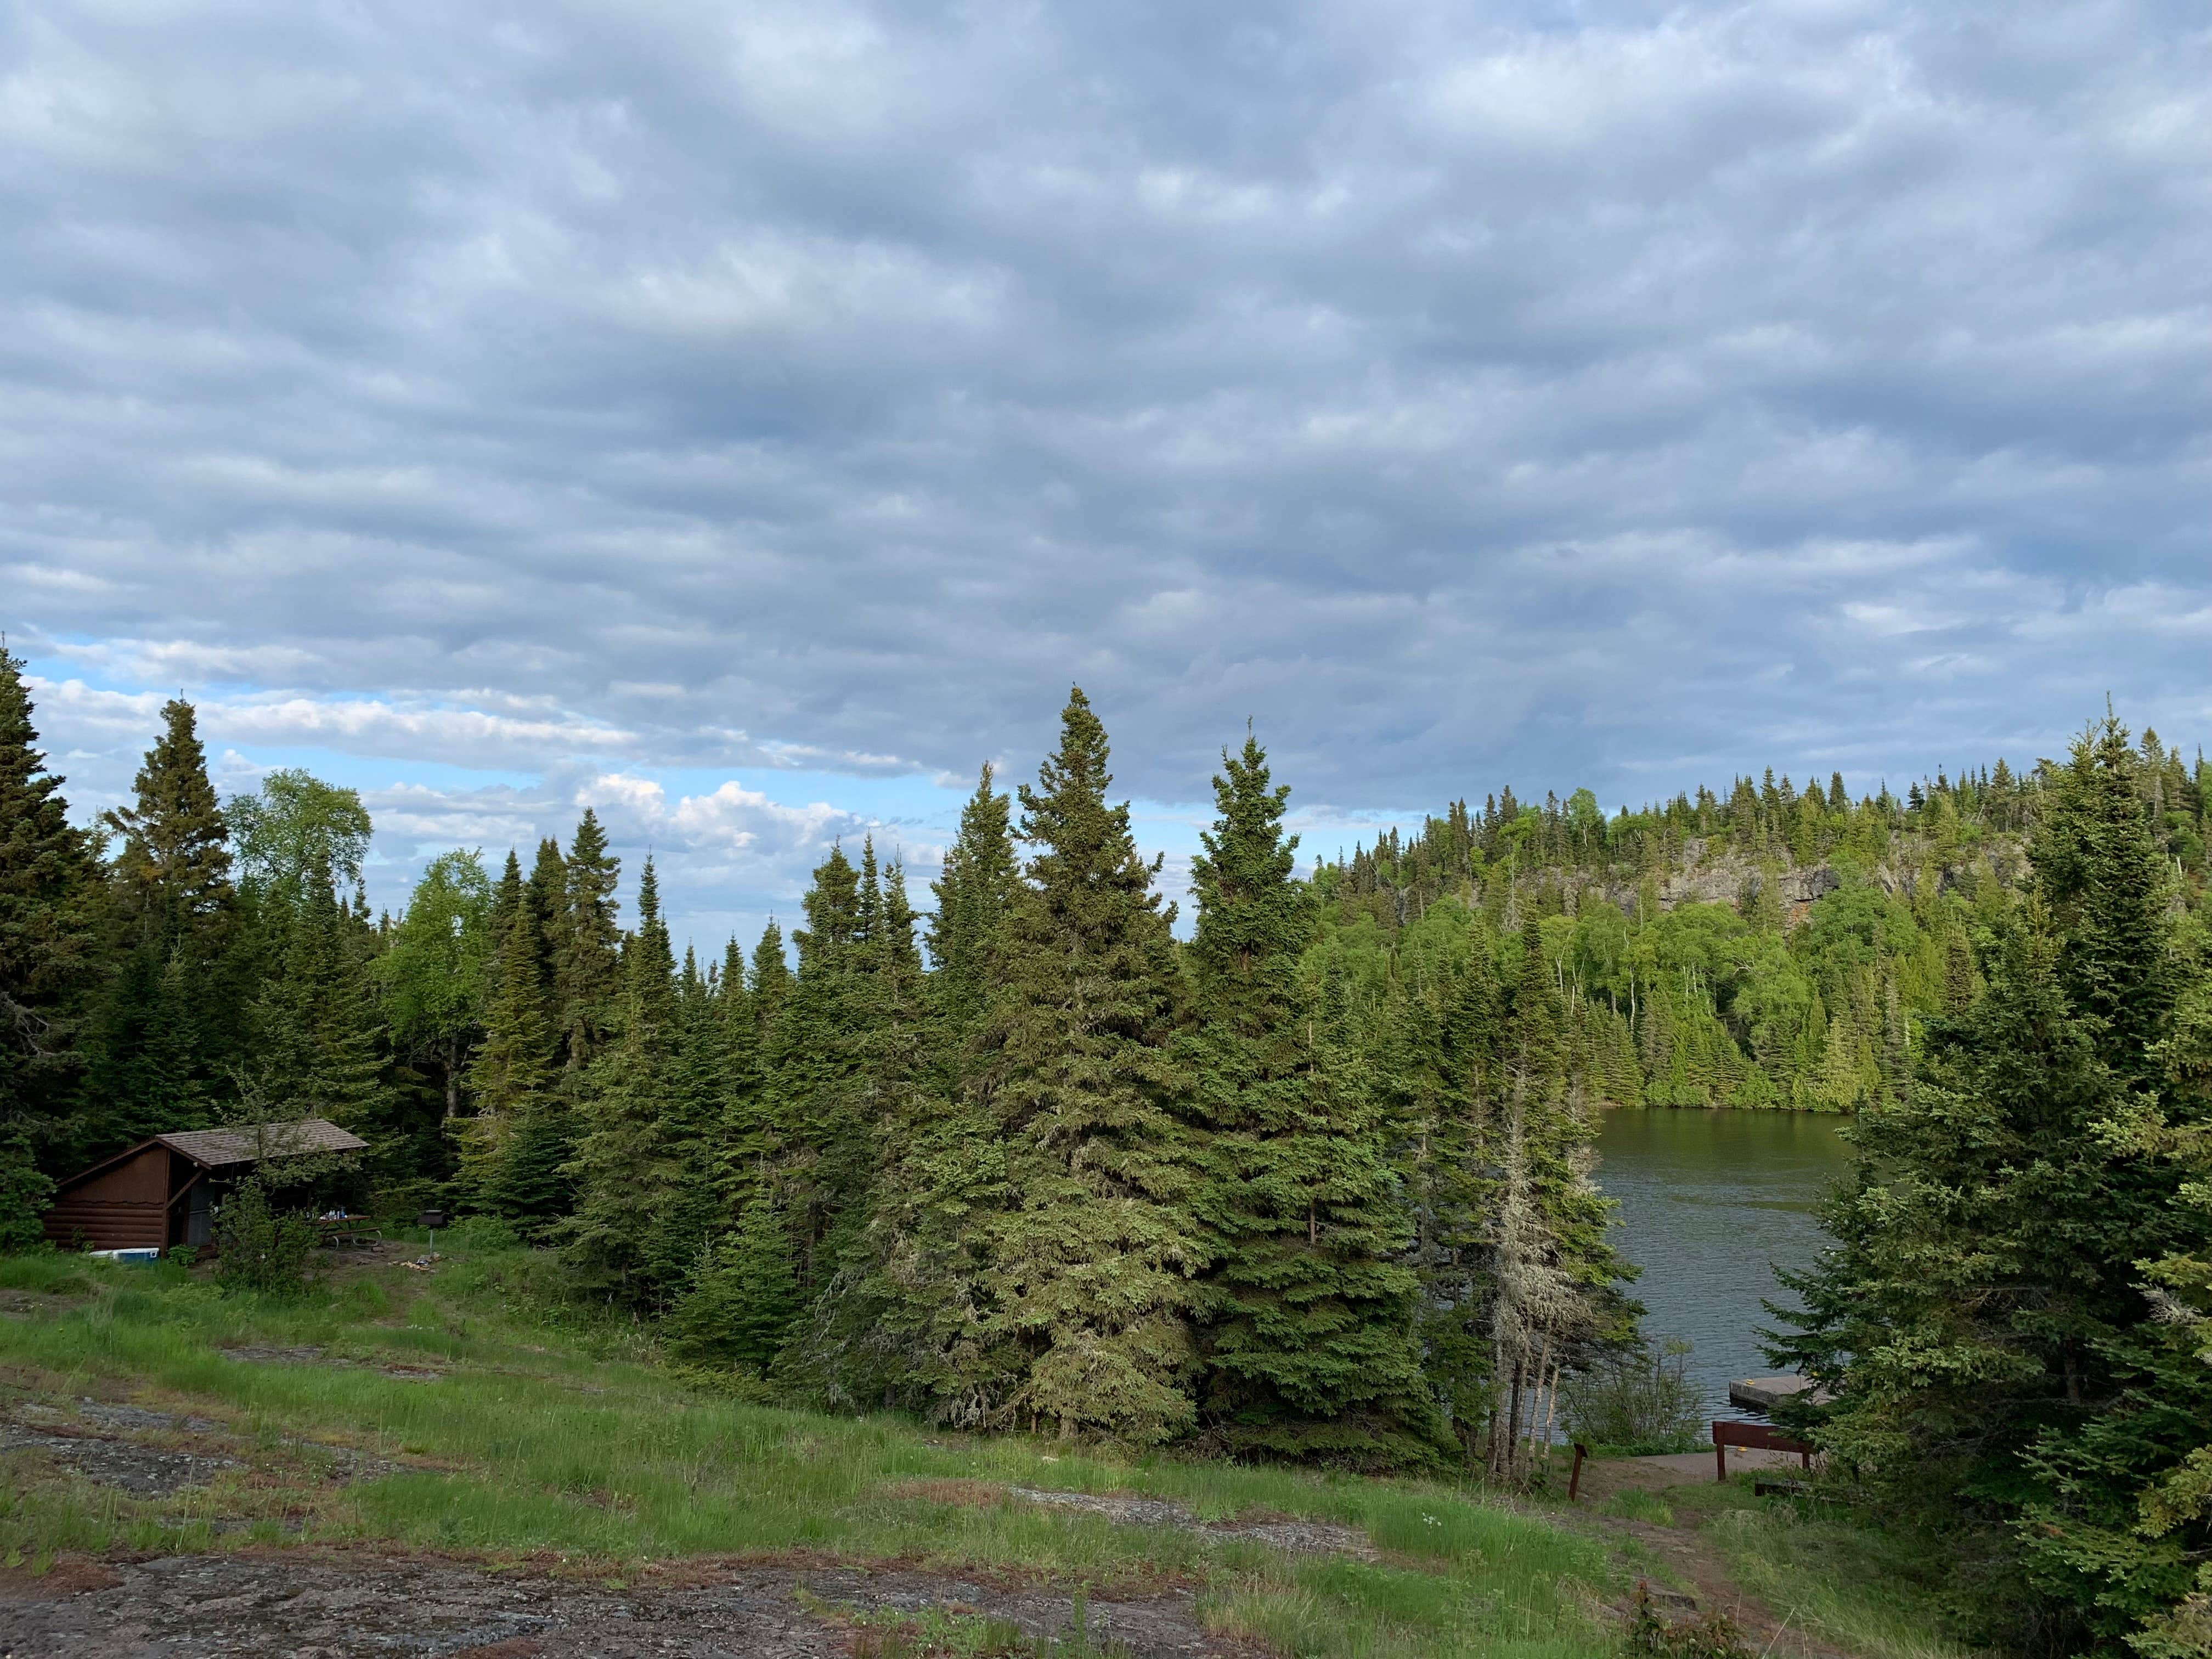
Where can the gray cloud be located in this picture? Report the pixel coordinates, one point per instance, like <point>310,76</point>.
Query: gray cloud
<point>1614,395</point>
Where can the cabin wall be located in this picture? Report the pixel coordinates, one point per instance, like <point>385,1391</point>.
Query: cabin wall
<point>122,1208</point>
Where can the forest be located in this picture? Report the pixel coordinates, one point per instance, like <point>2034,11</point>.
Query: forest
<point>1313,1182</point>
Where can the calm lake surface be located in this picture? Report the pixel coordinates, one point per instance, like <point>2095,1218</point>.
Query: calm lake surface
<point>1710,1202</point>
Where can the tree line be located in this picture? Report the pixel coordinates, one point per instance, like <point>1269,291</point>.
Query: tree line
<point>1315,1182</point>
<point>1763,948</point>
<point>1026,1160</point>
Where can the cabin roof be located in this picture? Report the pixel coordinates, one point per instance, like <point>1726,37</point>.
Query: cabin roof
<point>214,1149</point>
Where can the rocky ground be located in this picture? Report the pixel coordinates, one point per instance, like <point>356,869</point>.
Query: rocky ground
<point>317,1604</point>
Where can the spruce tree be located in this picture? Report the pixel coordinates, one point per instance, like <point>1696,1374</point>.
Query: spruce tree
<point>2100,870</point>
<point>824,1148</point>
<point>1307,1306</point>
<point>1092,1259</point>
<point>974,893</point>
<point>769,990</point>
<point>546,894</point>
<point>316,1022</point>
<point>172,872</point>
<point>1551,1274</point>
<point>24,1190</point>
<point>859,1344</point>
<point>743,1298</point>
<point>512,1076</point>
<point>1989,1322</point>
<point>1439,1052</point>
<point>49,942</point>
<point>173,1029</point>
<point>623,1168</point>
<point>692,1213</point>
<point>587,966</point>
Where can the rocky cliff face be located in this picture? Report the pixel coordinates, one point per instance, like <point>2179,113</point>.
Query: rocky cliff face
<point>1714,872</point>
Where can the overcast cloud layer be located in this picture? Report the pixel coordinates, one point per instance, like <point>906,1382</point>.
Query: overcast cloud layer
<point>749,418</point>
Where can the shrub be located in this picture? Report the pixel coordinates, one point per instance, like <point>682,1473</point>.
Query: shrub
<point>1715,1636</point>
<point>263,1248</point>
<point>1637,1403</point>
<point>23,1192</point>
<point>483,1234</point>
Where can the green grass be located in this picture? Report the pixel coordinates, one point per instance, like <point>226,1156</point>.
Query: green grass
<point>555,1431</point>
<point>1872,1590</point>
<point>1632,1504</point>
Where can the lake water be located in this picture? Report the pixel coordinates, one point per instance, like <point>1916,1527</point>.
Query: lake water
<point>1710,1202</point>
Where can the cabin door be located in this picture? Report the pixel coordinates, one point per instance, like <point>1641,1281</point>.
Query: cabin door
<point>200,1217</point>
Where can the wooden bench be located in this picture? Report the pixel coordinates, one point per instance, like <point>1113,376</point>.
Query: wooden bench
<point>339,1234</point>
<point>1758,1437</point>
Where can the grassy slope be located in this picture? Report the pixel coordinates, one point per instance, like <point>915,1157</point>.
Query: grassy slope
<point>546,1435</point>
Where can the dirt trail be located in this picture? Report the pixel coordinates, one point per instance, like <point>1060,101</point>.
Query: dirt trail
<point>328,1604</point>
<point>1687,1558</point>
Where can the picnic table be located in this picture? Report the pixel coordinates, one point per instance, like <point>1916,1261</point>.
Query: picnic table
<point>342,1231</point>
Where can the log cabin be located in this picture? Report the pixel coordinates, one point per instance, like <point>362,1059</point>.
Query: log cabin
<point>164,1191</point>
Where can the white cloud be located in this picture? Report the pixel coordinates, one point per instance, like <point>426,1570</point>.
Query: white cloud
<point>823,388</point>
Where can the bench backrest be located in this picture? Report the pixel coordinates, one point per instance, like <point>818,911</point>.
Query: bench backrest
<point>1756,1435</point>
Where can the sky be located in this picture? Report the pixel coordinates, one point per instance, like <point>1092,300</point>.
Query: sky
<point>748,420</point>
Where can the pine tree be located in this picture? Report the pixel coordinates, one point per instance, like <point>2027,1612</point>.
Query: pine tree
<point>743,1299</point>
<point>24,1190</point>
<point>587,967</point>
<point>623,1166</point>
<point>692,1212</point>
<point>1550,1271</point>
<point>824,1147</point>
<point>315,1022</point>
<point>768,989</point>
<point>967,936</point>
<point>173,1027</point>
<point>1308,1307</point>
<point>2099,868</point>
<point>1443,1043</point>
<point>172,874</point>
<point>2002,1366</point>
<point>1092,1262</point>
<point>49,945</point>
<point>511,1077</point>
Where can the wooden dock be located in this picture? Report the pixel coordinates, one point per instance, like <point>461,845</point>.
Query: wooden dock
<point>1763,1393</point>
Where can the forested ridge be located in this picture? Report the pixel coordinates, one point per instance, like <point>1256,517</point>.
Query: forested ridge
<point>1314,1182</point>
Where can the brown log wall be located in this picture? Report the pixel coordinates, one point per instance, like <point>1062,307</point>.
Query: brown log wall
<point>123,1208</point>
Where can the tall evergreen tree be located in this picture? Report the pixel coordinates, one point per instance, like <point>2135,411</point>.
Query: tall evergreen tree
<point>623,1168</point>
<point>1551,1272</point>
<point>173,1029</point>
<point>975,894</point>
<point>692,1213</point>
<point>1091,1259</point>
<point>587,965</point>
<point>173,871</point>
<point>768,987</point>
<point>49,936</point>
<point>512,1075</point>
<point>1443,1042</point>
<point>1309,1308</point>
<point>825,1147</point>
<point>315,1022</point>
<point>743,1298</point>
<point>1985,1322</point>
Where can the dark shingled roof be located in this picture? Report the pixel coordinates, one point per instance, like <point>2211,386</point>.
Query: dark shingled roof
<point>213,1148</point>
